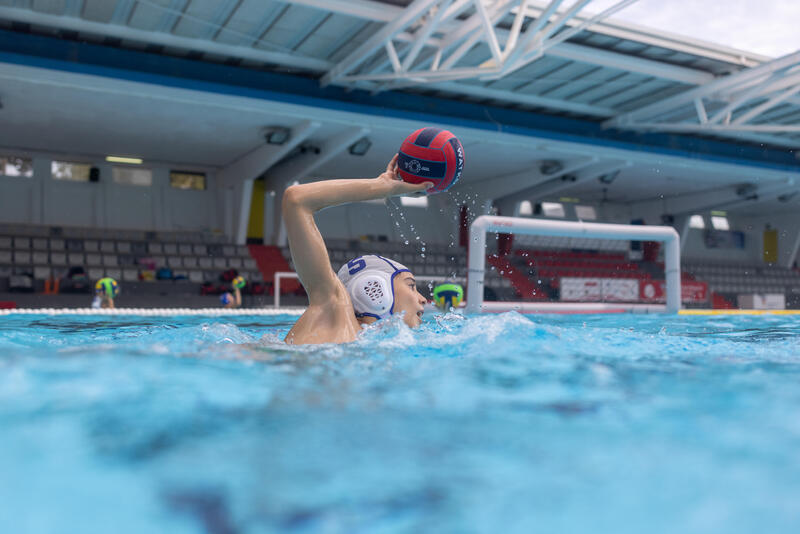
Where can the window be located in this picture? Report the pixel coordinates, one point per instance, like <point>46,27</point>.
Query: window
<point>720,222</point>
<point>585,213</point>
<point>414,202</point>
<point>132,176</point>
<point>66,170</point>
<point>16,166</point>
<point>187,180</point>
<point>697,221</point>
<point>553,209</point>
<point>525,208</point>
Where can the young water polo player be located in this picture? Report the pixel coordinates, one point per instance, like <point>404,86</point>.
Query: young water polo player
<point>365,289</point>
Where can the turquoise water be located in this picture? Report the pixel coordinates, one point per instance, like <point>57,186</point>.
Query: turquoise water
<point>492,424</point>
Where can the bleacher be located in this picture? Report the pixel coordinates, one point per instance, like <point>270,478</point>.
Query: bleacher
<point>440,261</point>
<point>46,252</point>
<point>738,279</point>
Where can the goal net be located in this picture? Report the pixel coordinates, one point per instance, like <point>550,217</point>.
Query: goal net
<point>559,266</point>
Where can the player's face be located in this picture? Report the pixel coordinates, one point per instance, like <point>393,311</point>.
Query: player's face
<point>407,299</point>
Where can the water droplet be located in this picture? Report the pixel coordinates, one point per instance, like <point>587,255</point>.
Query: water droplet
<point>423,249</point>
<point>406,241</point>
<point>422,255</point>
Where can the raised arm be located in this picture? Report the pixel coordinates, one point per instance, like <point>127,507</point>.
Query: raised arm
<point>300,202</point>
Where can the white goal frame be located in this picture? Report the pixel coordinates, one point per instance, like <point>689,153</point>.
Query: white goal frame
<point>526,226</point>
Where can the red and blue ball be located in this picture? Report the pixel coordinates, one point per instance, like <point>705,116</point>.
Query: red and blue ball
<point>431,155</point>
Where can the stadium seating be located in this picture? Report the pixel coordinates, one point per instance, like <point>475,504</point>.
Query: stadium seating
<point>738,279</point>
<point>122,254</point>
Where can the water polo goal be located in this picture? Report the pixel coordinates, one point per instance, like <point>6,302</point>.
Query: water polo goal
<point>524,226</point>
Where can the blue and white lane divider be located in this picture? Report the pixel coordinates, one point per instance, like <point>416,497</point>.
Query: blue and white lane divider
<point>162,312</point>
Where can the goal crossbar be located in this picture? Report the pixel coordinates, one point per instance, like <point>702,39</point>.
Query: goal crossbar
<point>524,226</point>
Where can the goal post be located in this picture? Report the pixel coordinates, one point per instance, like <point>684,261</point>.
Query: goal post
<point>524,226</point>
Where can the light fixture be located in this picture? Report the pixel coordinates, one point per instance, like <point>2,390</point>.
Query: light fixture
<point>608,177</point>
<point>550,166</point>
<point>123,159</point>
<point>360,147</point>
<point>276,135</point>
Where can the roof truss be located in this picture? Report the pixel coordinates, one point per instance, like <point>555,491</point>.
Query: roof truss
<point>422,46</point>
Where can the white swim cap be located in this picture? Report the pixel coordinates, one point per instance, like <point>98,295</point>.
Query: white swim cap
<point>368,279</point>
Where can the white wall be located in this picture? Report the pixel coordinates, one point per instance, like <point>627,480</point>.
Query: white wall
<point>105,204</point>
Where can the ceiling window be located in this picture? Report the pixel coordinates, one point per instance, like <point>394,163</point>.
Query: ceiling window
<point>553,209</point>
<point>132,176</point>
<point>585,213</point>
<point>70,171</point>
<point>16,166</point>
<point>697,221</point>
<point>195,181</point>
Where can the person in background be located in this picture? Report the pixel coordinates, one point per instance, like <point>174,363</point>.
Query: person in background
<point>105,291</point>
<point>448,296</point>
<point>234,300</point>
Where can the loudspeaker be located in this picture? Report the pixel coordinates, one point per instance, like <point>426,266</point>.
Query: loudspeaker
<point>94,174</point>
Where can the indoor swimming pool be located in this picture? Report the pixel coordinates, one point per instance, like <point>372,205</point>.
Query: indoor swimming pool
<point>492,423</point>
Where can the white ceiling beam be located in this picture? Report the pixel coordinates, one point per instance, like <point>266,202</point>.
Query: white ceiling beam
<point>258,161</point>
<point>362,9</point>
<point>716,128</point>
<point>164,39</point>
<point>411,14</point>
<point>519,98</point>
<point>122,11</point>
<point>172,13</point>
<point>765,106</point>
<point>73,8</point>
<point>628,63</point>
<point>222,14</point>
<point>718,86</point>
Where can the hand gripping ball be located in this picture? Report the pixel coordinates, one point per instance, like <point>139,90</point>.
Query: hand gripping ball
<point>239,282</point>
<point>431,155</point>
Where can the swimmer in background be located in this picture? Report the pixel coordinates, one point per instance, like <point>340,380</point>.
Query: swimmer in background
<point>447,297</point>
<point>367,288</point>
<point>234,300</point>
<point>105,291</point>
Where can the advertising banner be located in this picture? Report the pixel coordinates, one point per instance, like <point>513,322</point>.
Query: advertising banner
<point>691,292</point>
<point>599,290</point>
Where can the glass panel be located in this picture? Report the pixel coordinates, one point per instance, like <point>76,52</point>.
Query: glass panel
<point>132,176</point>
<point>66,170</point>
<point>553,209</point>
<point>586,213</point>
<point>187,180</point>
<point>720,223</point>
<point>16,166</point>
<point>525,208</point>
<point>697,221</point>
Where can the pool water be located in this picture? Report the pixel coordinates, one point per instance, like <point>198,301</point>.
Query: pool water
<point>502,423</point>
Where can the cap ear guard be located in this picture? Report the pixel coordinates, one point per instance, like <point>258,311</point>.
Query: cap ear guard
<point>371,294</point>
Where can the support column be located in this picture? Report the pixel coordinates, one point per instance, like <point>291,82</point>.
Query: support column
<point>243,192</point>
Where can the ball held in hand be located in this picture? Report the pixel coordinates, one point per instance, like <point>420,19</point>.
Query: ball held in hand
<point>431,155</point>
